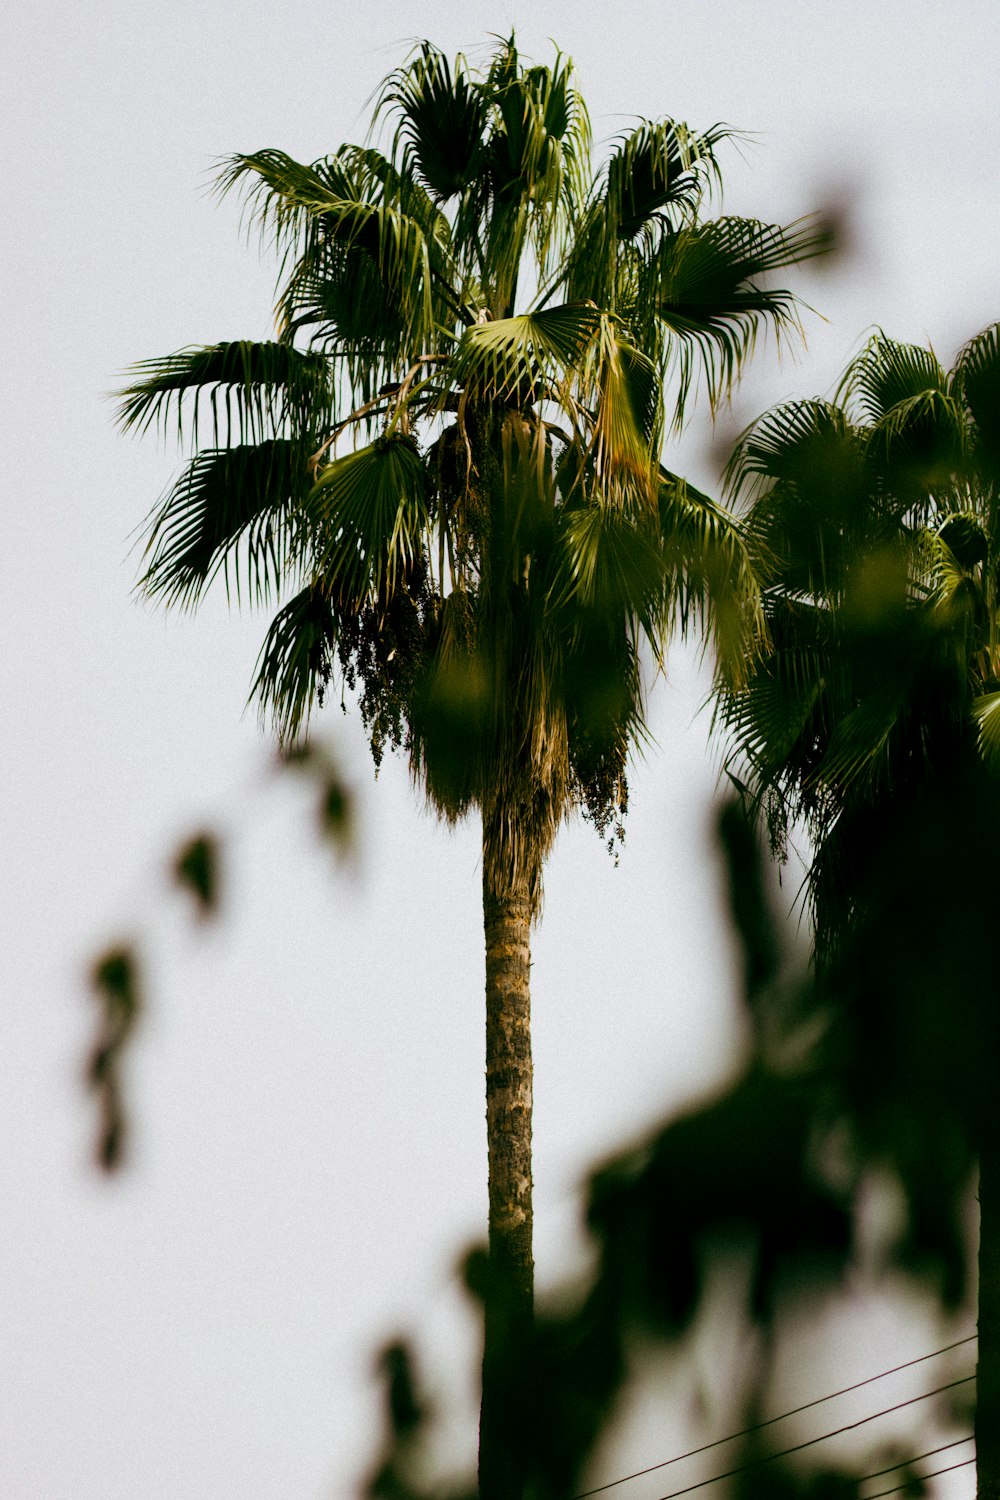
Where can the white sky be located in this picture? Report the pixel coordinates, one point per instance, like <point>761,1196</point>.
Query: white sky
<point>309,1145</point>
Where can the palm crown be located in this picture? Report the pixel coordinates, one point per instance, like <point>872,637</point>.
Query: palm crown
<point>483,566</point>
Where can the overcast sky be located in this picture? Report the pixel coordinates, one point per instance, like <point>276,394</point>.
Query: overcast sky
<point>306,1091</point>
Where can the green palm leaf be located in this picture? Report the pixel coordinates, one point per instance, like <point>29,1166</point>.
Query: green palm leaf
<point>293,666</point>
<point>526,356</point>
<point>887,373</point>
<point>369,514</point>
<point>704,286</point>
<point>976,380</point>
<point>659,172</point>
<point>232,509</point>
<point>712,579</point>
<point>627,417</point>
<point>255,387</point>
<point>606,566</point>
<point>986,710</point>
<point>442,120</point>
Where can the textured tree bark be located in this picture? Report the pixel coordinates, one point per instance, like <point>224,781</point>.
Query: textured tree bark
<point>510,1284</point>
<point>988,1367</point>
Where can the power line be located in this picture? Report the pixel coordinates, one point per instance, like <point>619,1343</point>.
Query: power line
<point>811,1442</point>
<point>932,1475</point>
<point>759,1426</point>
<point>904,1463</point>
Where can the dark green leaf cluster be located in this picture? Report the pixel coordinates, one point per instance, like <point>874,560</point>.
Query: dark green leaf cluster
<point>874,523</point>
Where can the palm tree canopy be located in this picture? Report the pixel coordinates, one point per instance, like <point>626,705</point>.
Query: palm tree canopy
<point>445,468</point>
<point>873,520</point>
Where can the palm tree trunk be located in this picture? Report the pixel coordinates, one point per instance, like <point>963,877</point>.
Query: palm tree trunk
<point>988,1368</point>
<point>509,1294</point>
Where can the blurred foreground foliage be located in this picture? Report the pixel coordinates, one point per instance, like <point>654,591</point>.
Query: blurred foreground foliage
<point>880,1070</point>
<point>196,868</point>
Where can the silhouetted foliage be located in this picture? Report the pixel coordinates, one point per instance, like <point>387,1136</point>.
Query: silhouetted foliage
<point>114,979</point>
<point>196,869</point>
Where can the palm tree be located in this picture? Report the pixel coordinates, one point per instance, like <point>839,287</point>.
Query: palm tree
<point>449,461</point>
<point>875,720</point>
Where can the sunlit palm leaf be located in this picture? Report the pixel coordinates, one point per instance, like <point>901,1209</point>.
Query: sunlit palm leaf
<point>627,415</point>
<point>987,714</point>
<point>526,356</point>
<point>369,512</point>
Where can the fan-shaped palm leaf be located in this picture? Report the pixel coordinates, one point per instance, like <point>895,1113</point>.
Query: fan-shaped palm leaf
<point>659,172</point>
<point>627,416</point>
<point>293,662</point>
<point>703,285</point>
<point>260,387</point>
<point>442,118</point>
<point>987,714</point>
<point>369,515</point>
<point>976,380</point>
<point>526,357</point>
<point>886,373</point>
<point>232,510</point>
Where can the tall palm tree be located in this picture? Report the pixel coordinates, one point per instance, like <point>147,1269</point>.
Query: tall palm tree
<point>449,461</point>
<point>875,720</point>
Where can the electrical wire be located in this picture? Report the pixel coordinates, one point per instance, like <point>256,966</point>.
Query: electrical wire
<point>759,1426</point>
<point>904,1463</point>
<point>932,1475</point>
<point>811,1442</point>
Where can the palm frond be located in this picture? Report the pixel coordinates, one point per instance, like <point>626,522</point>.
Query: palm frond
<point>442,117</point>
<point>537,166</point>
<point>712,578</point>
<point>526,356</point>
<point>608,568</point>
<point>249,390</point>
<point>659,172</point>
<point>352,202</point>
<point>923,435</point>
<point>704,285</point>
<point>795,443</point>
<point>986,710</point>
<point>627,416</point>
<point>293,665</point>
<point>279,192</point>
<point>232,510</point>
<point>887,373</point>
<point>976,381</point>
<point>369,513</point>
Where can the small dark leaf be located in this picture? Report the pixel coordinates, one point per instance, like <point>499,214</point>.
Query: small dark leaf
<point>196,869</point>
<point>335,815</point>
